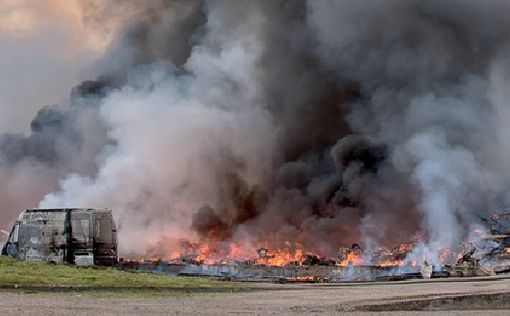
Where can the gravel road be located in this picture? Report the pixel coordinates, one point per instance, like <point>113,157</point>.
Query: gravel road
<point>487,297</point>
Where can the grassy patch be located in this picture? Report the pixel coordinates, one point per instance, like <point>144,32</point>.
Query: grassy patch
<point>41,273</point>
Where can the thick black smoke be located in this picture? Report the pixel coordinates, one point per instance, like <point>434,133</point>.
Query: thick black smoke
<point>323,123</point>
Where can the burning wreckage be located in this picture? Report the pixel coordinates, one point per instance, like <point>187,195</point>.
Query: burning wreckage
<point>486,253</point>
<point>88,237</point>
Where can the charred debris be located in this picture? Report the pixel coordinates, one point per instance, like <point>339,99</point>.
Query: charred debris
<point>487,255</point>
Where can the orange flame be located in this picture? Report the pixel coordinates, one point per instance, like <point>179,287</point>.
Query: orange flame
<point>352,259</point>
<point>216,252</point>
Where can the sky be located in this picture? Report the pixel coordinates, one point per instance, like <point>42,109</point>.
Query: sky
<point>47,47</point>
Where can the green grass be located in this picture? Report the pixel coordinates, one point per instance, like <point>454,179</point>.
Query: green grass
<point>41,273</point>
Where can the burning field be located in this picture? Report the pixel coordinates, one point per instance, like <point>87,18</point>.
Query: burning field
<point>365,139</point>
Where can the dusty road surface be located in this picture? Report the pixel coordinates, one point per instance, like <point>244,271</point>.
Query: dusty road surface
<point>473,297</point>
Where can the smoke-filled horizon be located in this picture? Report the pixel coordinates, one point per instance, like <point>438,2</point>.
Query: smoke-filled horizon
<point>320,123</point>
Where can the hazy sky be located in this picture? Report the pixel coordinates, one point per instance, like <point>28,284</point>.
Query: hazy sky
<point>46,48</point>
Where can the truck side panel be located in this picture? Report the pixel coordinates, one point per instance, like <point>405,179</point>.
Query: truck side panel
<point>76,236</point>
<point>42,236</point>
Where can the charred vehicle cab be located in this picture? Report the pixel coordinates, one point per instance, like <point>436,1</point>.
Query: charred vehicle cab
<point>76,236</point>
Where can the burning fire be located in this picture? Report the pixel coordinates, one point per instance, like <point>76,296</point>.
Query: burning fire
<point>280,257</point>
<point>353,258</point>
<point>289,254</point>
<point>293,253</point>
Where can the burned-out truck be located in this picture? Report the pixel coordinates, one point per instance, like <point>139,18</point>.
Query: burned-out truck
<point>77,236</point>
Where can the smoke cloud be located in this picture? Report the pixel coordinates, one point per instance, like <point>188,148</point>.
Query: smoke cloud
<point>323,123</point>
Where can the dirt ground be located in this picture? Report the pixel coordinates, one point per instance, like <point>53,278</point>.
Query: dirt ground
<point>445,297</point>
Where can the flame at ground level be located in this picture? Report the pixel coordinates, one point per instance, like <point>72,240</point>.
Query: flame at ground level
<point>480,243</point>
<point>294,254</point>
